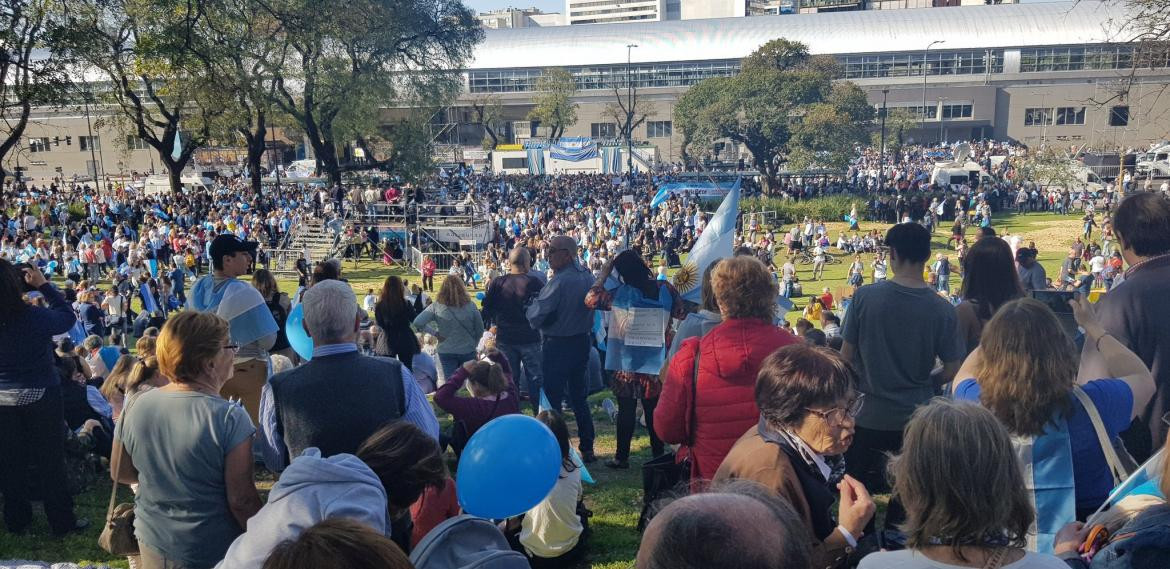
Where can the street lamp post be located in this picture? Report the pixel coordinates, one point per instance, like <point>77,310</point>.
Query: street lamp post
<point>882,155</point>
<point>630,113</point>
<point>941,104</point>
<point>922,116</point>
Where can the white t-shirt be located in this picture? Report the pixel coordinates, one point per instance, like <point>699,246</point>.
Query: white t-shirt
<point>552,528</point>
<point>370,302</point>
<point>909,559</point>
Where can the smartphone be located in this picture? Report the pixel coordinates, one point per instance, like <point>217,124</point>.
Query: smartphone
<point>20,267</point>
<point>1057,300</point>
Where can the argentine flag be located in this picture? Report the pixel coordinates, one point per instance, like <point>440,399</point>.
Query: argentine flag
<point>716,242</point>
<point>177,149</point>
<point>1148,474</point>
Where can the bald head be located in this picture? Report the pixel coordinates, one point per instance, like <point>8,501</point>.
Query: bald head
<point>699,531</point>
<point>520,260</point>
<point>562,250</point>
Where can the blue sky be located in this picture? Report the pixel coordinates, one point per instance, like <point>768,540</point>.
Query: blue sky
<point>547,5</point>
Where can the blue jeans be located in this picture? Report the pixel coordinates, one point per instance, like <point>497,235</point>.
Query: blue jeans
<point>452,362</point>
<point>566,359</point>
<point>528,356</point>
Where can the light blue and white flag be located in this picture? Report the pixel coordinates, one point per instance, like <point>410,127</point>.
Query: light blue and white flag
<point>177,149</point>
<point>238,303</point>
<point>716,242</point>
<point>1148,474</point>
<point>148,303</point>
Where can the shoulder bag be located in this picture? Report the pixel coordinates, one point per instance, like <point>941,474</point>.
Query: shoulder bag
<point>665,474</point>
<point>117,537</point>
<point>1121,463</point>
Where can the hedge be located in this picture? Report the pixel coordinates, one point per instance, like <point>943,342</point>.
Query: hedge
<point>829,208</point>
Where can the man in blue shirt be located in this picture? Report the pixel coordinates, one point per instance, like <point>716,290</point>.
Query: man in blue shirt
<point>559,313</point>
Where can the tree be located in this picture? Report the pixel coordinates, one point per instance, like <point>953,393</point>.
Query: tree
<point>628,110</point>
<point>488,111</point>
<point>346,61</point>
<point>1048,167</point>
<point>899,123</point>
<point>30,77</point>
<point>783,106</point>
<point>554,103</point>
<point>153,55</point>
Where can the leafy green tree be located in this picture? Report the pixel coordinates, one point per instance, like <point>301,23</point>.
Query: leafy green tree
<point>783,106</point>
<point>488,111</point>
<point>899,123</point>
<point>554,103</point>
<point>29,78</point>
<point>150,53</point>
<point>1048,167</point>
<point>347,61</point>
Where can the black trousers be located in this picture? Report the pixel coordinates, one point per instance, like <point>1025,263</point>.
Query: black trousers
<point>866,461</point>
<point>627,422</point>
<point>35,435</point>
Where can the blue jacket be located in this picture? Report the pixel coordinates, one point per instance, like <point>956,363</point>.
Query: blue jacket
<point>310,490</point>
<point>26,344</point>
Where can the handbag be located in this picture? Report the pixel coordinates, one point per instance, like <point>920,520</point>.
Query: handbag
<point>665,474</point>
<point>117,537</point>
<point>1121,463</point>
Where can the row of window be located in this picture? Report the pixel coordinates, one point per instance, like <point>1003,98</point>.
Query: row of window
<point>605,76</point>
<point>1049,116</point>
<point>949,111</point>
<point>1077,58</point>
<point>858,66</point>
<point>966,62</point>
<point>85,143</point>
<point>654,129</point>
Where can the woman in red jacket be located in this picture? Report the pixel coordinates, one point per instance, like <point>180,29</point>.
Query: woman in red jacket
<point>729,358</point>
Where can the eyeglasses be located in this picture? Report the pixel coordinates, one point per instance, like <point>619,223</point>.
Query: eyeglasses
<point>837,415</point>
<point>235,348</point>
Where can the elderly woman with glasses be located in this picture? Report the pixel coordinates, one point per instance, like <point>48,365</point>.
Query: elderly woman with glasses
<point>807,401</point>
<point>189,450</point>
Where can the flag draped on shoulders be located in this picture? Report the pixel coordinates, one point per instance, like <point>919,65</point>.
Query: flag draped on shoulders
<point>238,303</point>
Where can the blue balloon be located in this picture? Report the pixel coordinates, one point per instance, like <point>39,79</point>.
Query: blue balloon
<point>298,338</point>
<point>476,277</point>
<point>479,295</point>
<point>52,266</point>
<point>508,467</point>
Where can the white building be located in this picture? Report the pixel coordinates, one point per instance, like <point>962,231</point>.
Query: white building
<point>614,11</point>
<point>509,18</point>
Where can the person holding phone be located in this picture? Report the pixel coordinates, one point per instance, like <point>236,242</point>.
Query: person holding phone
<point>1025,372</point>
<point>31,412</point>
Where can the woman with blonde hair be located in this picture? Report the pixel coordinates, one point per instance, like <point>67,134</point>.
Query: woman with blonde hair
<point>1024,371</point>
<point>965,498</point>
<point>457,323</point>
<point>189,450</point>
<point>722,365</point>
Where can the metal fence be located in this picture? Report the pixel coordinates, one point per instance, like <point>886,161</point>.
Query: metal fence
<point>444,259</point>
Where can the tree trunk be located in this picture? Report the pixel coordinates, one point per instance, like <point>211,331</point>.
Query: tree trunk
<point>254,170</point>
<point>255,145</point>
<point>175,173</point>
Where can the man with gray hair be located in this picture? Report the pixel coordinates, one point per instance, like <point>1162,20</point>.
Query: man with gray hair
<point>503,306</point>
<point>340,397</point>
<point>565,323</point>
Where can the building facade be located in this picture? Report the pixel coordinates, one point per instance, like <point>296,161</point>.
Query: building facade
<point>1046,73</point>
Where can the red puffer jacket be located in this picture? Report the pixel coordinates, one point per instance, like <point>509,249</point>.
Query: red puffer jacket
<point>726,405</point>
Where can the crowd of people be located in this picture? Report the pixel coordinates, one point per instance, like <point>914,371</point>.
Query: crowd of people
<point>995,418</point>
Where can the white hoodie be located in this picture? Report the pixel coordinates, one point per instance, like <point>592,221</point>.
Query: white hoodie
<point>310,490</point>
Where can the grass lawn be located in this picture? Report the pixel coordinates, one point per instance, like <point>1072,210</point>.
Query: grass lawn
<point>616,498</point>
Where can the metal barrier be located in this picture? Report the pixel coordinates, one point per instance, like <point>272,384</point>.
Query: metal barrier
<point>283,261</point>
<point>443,259</point>
<point>426,214</point>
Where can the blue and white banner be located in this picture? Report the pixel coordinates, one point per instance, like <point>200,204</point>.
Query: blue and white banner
<point>148,302</point>
<point>635,339</point>
<point>238,303</point>
<point>611,161</point>
<point>1149,474</point>
<point>716,242</point>
<point>535,161</point>
<point>574,149</point>
<point>697,188</point>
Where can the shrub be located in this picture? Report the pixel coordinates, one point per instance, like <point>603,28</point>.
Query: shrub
<point>829,208</point>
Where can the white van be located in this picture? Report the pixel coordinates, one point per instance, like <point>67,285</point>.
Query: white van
<point>161,184</point>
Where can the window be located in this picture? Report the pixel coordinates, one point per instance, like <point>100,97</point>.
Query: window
<point>659,129</point>
<point>1070,115</point>
<point>1119,115</point>
<point>956,111</point>
<point>603,130</point>
<point>964,62</point>
<point>514,163</point>
<point>89,142</point>
<point>931,111</point>
<point>135,143</point>
<point>1037,117</point>
<point>40,144</point>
